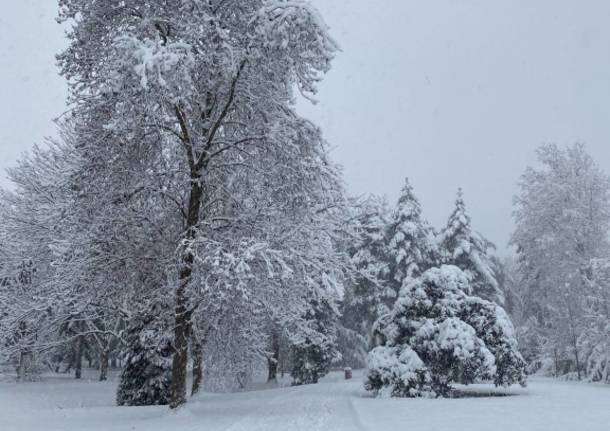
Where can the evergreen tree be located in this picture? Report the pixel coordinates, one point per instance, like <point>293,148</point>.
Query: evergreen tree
<point>392,250</point>
<point>314,348</point>
<point>437,334</point>
<point>146,378</point>
<point>411,246</point>
<point>369,255</point>
<point>468,250</point>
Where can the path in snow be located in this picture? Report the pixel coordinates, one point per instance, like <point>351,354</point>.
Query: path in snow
<point>333,404</point>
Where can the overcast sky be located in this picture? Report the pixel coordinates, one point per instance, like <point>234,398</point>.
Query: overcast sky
<point>449,93</point>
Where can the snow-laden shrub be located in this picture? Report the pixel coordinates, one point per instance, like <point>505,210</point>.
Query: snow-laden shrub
<point>437,334</point>
<point>311,359</point>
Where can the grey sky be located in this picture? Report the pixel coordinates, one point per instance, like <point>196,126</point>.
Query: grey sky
<point>450,93</point>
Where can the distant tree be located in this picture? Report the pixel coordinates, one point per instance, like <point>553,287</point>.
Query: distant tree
<point>32,306</point>
<point>595,339</point>
<point>507,275</point>
<point>562,216</point>
<point>463,247</point>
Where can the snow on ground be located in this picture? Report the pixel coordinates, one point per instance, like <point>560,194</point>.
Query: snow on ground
<point>60,403</point>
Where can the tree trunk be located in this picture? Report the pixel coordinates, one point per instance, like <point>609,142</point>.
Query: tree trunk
<point>576,356</point>
<point>181,330</point>
<point>104,365</point>
<point>197,353</point>
<point>272,365</point>
<point>182,325</point>
<point>574,341</point>
<point>78,357</point>
<point>25,359</point>
<point>273,360</point>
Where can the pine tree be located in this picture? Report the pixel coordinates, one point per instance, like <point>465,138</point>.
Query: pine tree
<point>411,246</point>
<point>468,250</point>
<point>393,249</point>
<point>146,378</point>
<point>438,334</point>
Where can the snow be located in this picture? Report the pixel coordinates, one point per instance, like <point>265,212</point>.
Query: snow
<point>154,59</point>
<point>60,403</point>
<point>395,364</point>
<point>461,338</point>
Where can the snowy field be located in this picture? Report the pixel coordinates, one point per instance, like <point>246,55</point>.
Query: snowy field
<point>60,403</point>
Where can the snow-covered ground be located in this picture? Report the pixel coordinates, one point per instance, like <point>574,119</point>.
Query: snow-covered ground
<point>60,403</point>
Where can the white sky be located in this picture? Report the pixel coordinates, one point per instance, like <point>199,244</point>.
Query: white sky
<point>450,93</point>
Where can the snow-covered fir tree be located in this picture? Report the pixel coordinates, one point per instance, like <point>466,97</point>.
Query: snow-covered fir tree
<point>392,248</point>
<point>438,334</point>
<point>369,255</point>
<point>463,247</point>
<point>410,240</point>
<point>145,379</point>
